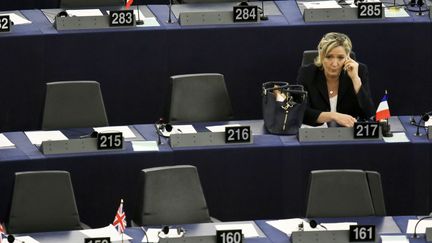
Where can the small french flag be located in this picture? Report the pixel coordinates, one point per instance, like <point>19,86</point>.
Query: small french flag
<point>128,3</point>
<point>383,111</point>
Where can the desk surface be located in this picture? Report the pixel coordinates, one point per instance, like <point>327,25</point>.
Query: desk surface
<point>384,226</point>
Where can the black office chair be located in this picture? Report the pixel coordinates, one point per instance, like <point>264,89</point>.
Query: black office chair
<point>309,56</point>
<point>71,104</point>
<point>171,195</point>
<point>199,98</point>
<point>345,193</point>
<point>43,201</point>
<point>72,4</point>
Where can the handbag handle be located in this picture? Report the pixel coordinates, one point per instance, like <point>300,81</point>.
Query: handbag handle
<point>272,85</point>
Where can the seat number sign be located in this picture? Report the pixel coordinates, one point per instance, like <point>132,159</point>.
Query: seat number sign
<point>97,240</point>
<point>122,18</point>
<point>113,140</point>
<point>239,134</point>
<point>366,130</point>
<point>5,23</point>
<point>245,13</point>
<point>370,10</point>
<point>360,233</point>
<point>229,236</point>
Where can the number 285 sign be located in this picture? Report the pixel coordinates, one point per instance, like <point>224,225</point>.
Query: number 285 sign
<point>370,10</point>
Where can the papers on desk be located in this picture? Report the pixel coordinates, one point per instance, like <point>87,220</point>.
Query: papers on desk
<point>321,4</point>
<point>289,225</point>
<point>26,239</point>
<point>108,231</point>
<point>127,132</point>
<point>84,12</point>
<point>221,128</point>
<point>16,19</point>
<point>421,228</point>
<point>394,239</point>
<point>398,137</point>
<point>248,230</point>
<point>145,146</point>
<point>180,129</point>
<point>5,142</point>
<point>37,137</point>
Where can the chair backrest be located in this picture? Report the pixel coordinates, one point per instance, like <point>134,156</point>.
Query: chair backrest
<point>171,195</point>
<point>69,4</point>
<point>71,104</point>
<point>309,56</point>
<point>345,193</point>
<point>43,201</point>
<point>199,98</point>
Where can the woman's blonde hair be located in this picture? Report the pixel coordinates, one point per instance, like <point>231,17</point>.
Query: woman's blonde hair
<point>329,42</point>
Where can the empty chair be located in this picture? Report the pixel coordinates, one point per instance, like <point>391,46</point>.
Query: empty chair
<point>199,98</point>
<point>345,193</point>
<point>171,195</point>
<point>309,56</point>
<point>71,104</point>
<point>43,201</point>
<point>68,4</point>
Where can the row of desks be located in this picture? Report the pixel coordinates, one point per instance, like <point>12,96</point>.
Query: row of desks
<point>396,225</point>
<point>267,179</point>
<point>133,65</point>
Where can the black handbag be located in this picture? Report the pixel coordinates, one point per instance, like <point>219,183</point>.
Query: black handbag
<point>283,117</point>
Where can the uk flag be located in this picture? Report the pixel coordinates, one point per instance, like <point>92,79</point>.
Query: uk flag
<point>120,219</point>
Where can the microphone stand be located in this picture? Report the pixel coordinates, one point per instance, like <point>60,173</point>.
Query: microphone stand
<point>139,21</point>
<point>169,12</point>
<point>263,16</point>
<point>420,3</point>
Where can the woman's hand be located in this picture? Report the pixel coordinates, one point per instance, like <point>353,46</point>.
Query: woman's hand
<point>340,118</point>
<point>344,119</point>
<point>351,67</point>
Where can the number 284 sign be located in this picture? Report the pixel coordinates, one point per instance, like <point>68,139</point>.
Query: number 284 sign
<point>245,13</point>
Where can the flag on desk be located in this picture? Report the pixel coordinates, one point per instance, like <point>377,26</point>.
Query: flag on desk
<point>120,219</point>
<point>383,111</point>
<point>2,232</point>
<point>128,3</point>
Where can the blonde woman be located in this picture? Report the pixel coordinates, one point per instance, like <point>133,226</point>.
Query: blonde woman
<point>338,86</point>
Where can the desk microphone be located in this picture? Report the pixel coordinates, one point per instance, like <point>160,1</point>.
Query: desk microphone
<point>166,229</point>
<point>160,127</point>
<point>139,21</point>
<point>424,118</point>
<point>415,227</point>
<point>170,12</point>
<point>263,16</point>
<point>312,223</point>
<point>11,239</point>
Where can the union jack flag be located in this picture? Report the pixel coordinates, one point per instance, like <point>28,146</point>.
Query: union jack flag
<point>120,219</point>
<point>2,232</point>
